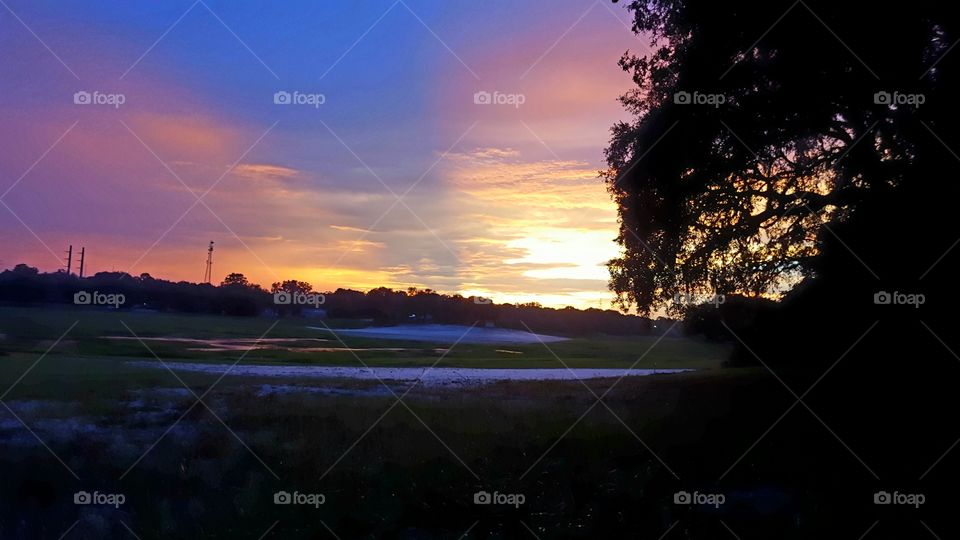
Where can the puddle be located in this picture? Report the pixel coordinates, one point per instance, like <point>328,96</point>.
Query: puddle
<point>272,344</point>
<point>229,344</point>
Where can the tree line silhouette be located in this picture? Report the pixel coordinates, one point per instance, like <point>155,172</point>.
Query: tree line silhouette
<point>236,296</point>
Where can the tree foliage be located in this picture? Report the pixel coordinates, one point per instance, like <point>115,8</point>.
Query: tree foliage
<point>237,279</point>
<point>741,196</point>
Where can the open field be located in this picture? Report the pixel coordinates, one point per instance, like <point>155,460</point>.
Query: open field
<point>199,455</point>
<point>190,444</point>
<point>387,469</point>
<point>96,333</point>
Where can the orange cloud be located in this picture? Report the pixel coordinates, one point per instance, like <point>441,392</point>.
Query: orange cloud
<point>260,171</point>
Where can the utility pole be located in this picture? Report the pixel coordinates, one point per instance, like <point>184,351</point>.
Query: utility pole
<point>69,258</point>
<point>207,274</point>
<point>82,252</point>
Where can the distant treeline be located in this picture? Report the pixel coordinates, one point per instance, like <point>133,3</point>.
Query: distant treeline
<point>236,296</point>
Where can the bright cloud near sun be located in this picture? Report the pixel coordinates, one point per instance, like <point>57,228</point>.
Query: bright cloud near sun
<point>544,228</point>
<point>565,253</point>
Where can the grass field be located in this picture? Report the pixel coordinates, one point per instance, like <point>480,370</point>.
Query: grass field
<point>82,418</point>
<point>386,470</point>
<point>32,330</point>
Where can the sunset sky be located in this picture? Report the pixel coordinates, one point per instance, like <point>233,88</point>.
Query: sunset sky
<point>500,200</point>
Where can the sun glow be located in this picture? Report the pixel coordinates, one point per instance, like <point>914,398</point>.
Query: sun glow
<point>565,253</point>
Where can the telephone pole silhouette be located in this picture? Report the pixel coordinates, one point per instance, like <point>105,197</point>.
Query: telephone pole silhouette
<point>83,251</point>
<point>69,258</point>
<point>207,274</point>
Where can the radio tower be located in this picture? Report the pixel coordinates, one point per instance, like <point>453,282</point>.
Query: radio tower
<point>206,275</point>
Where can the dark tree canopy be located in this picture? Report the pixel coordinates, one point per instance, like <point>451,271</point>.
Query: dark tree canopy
<point>291,286</point>
<point>237,279</point>
<point>746,195</point>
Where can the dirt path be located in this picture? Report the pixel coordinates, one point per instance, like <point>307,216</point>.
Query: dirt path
<point>427,376</point>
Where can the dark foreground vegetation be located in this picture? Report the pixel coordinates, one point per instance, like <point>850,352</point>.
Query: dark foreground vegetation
<point>411,470</point>
<point>415,473</point>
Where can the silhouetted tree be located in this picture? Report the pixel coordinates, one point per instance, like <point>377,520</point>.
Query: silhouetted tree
<point>24,270</point>
<point>811,180</point>
<point>740,196</point>
<point>235,278</point>
<point>291,286</point>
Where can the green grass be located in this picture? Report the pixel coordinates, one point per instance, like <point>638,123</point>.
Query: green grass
<point>32,330</point>
<point>387,470</point>
<point>382,470</point>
